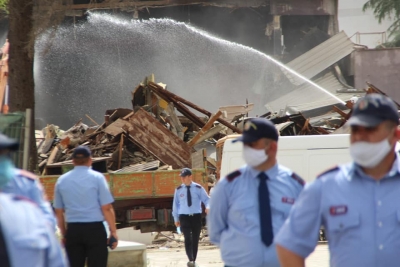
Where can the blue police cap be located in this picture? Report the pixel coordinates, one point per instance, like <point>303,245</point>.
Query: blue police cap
<point>81,152</point>
<point>185,172</point>
<point>372,110</point>
<point>8,143</point>
<point>257,128</point>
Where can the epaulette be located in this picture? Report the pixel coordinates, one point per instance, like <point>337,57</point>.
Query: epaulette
<point>198,186</point>
<point>335,168</point>
<point>233,175</point>
<point>27,174</point>
<point>22,198</point>
<point>298,179</point>
<point>179,187</point>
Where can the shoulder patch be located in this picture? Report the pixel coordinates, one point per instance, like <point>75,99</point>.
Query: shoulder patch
<point>233,175</point>
<point>335,168</point>
<point>22,198</point>
<point>179,187</point>
<point>27,174</point>
<point>298,179</point>
<point>198,186</point>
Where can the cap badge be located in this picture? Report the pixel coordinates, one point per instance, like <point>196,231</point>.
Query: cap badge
<point>363,104</point>
<point>249,125</point>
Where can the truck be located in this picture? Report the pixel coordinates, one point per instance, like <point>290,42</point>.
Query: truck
<point>142,199</point>
<point>306,155</point>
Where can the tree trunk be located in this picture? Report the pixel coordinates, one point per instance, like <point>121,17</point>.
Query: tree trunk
<point>21,81</point>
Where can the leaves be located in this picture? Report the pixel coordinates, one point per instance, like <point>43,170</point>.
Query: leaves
<point>4,6</point>
<point>386,9</point>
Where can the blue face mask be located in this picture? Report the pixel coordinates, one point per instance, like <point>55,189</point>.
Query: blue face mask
<point>6,170</point>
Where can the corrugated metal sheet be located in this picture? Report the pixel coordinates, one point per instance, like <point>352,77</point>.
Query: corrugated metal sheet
<point>307,96</point>
<point>320,57</point>
<point>153,165</point>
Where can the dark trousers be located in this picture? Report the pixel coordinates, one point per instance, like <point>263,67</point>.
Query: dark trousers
<point>86,241</point>
<point>191,228</point>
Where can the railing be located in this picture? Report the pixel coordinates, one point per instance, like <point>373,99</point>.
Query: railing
<point>359,34</point>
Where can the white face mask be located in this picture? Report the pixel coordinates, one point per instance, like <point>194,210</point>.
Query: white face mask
<point>254,157</point>
<point>369,155</point>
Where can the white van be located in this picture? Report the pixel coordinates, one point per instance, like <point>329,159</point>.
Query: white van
<point>306,155</point>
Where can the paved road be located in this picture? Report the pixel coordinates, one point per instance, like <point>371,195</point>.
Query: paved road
<point>209,257</point>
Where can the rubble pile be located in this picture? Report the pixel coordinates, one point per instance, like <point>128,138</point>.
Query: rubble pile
<point>149,136</point>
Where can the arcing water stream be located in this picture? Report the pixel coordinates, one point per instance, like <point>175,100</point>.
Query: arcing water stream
<point>91,67</point>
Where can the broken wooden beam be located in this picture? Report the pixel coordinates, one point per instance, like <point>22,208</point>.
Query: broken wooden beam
<point>170,110</point>
<point>92,120</point>
<point>338,110</point>
<point>205,128</point>
<point>181,108</point>
<point>177,98</point>
<point>153,165</point>
<point>210,133</point>
<point>115,128</point>
<point>121,143</point>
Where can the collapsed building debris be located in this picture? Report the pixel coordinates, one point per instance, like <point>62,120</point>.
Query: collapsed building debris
<point>150,136</point>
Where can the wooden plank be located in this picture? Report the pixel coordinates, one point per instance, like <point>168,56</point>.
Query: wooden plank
<point>115,128</point>
<point>205,128</point>
<point>140,167</point>
<point>92,120</point>
<point>170,110</point>
<point>53,155</point>
<point>230,112</point>
<point>150,134</point>
<point>121,143</point>
<point>120,113</point>
<point>210,133</point>
<point>181,108</point>
<point>68,162</point>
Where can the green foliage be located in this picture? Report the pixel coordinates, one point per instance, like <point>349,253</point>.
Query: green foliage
<point>386,9</point>
<point>393,43</point>
<point>4,6</point>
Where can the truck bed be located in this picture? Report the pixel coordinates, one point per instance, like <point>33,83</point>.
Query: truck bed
<point>137,185</point>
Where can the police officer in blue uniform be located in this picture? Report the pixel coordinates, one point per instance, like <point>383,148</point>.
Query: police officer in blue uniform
<point>84,196</point>
<point>250,205</point>
<point>26,238</point>
<point>357,203</point>
<point>187,211</point>
<point>21,182</point>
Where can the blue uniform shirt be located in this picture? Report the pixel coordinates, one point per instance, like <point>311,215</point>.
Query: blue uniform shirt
<point>81,192</point>
<point>361,217</point>
<point>234,220</point>
<point>180,205</point>
<point>29,239</point>
<point>27,184</point>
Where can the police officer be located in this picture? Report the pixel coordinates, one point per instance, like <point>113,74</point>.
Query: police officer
<point>357,203</point>
<point>21,182</point>
<point>249,206</point>
<point>26,238</point>
<point>187,211</point>
<point>84,196</point>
